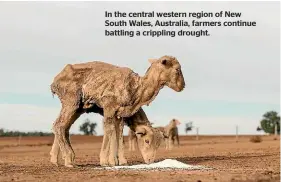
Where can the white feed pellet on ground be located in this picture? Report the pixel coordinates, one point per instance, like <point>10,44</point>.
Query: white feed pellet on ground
<point>165,164</point>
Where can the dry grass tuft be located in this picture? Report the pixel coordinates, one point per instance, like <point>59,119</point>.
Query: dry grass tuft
<point>256,139</point>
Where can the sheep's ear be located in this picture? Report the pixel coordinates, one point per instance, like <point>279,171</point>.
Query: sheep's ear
<point>152,60</point>
<point>164,62</point>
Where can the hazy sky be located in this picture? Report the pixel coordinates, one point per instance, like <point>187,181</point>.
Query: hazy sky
<point>232,77</point>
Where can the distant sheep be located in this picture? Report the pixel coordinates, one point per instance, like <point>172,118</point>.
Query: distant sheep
<point>171,133</point>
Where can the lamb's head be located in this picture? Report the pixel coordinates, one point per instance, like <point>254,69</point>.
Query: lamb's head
<point>169,70</point>
<point>175,122</point>
<point>149,140</point>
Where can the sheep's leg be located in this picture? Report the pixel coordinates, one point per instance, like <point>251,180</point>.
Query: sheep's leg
<point>129,143</point>
<point>104,147</point>
<point>178,140</point>
<point>61,129</point>
<point>108,154</point>
<point>134,143</point>
<point>55,151</point>
<point>113,147</point>
<point>120,139</point>
<point>166,143</point>
<point>69,143</point>
<point>170,143</point>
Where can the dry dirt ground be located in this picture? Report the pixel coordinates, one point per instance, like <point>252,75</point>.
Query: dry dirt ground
<point>231,160</point>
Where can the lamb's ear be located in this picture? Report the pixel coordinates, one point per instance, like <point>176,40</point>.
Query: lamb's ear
<point>164,62</point>
<point>152,60</point>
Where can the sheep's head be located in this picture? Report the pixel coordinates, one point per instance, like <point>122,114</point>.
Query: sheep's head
<point>170,73</point>
<point>175,122</point>
<point>149,140</point>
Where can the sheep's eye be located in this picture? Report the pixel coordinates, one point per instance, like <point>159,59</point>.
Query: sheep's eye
<point>147,141</point>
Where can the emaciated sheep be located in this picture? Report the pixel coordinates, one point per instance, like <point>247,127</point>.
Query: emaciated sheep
<point>117,93</point>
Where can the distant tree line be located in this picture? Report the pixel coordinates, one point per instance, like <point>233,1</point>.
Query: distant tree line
<point>269,124</point>
<point>6,133</point>
<point>87,128</point>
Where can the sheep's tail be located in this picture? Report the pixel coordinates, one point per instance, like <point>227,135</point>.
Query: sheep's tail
<point>53,89</point>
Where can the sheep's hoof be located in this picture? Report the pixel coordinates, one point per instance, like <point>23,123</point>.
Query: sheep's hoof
<point>69,165</point>
<point>113,161</point>
<point>103,162</point>
<point>123,162</point>
<point>55,163</point>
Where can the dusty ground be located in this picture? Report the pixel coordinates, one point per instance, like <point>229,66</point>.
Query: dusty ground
<point>231,160</point>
